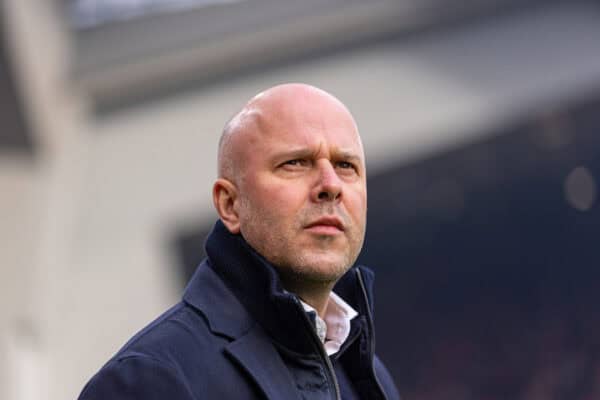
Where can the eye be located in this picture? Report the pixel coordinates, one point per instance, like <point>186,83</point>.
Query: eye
<point>346,165</point>
<point>294,164</point>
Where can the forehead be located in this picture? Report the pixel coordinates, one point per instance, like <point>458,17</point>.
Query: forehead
<point>306,123</point>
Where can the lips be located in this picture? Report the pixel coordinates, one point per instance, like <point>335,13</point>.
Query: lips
<point>326,224</point>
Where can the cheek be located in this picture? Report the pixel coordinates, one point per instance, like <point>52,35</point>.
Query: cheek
<point>286,194</point>
<point>357,203</point>
<point>270,218</point>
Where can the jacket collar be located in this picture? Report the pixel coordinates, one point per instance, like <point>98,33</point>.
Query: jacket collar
<point>207,292</point>
<point>227,317</point>
<point>258,293</point>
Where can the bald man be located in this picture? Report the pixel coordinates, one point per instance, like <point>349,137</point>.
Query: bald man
<point>277,310</point>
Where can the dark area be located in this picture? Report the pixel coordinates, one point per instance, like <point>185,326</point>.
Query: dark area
<point>190,247</point>
<point>487,277</point>
<point>14,134</point>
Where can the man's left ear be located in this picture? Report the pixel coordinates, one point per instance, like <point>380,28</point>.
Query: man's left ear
<point>225,196</point>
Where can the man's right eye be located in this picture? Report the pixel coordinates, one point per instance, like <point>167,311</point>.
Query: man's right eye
<point>295,162</point>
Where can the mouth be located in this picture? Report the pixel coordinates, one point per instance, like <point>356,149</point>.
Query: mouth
<point>326,226</point>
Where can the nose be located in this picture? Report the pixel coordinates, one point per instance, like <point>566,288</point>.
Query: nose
<point>329,185</point>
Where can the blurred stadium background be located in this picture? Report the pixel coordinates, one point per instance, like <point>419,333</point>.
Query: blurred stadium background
<point>480,121</point>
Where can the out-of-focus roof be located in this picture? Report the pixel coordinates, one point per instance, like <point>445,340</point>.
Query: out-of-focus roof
<point>147,49</point>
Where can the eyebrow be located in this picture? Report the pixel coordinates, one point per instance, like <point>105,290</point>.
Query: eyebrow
<point>347,155</point>
<point>337,155</point>
<point>294,153</point>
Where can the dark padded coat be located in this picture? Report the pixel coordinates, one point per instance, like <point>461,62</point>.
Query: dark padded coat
<point>238,335</point>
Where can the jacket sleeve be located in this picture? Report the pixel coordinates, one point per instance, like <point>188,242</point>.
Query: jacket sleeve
<point>136,378</point>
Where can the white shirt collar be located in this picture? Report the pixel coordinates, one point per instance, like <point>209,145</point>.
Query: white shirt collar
<point>333,330</point>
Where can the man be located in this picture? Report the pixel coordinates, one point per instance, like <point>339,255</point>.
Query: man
<point>276,311</point>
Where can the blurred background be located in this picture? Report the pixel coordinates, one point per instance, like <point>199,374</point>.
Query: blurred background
<point>480,122</point>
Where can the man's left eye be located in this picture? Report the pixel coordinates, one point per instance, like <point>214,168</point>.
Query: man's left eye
<point>345,165</point>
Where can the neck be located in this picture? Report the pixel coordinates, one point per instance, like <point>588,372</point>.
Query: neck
<point>315,294</point>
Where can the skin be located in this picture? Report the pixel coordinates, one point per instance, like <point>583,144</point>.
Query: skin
<point>292,182</point>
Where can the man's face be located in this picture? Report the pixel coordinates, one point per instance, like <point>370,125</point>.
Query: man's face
<point>302,190</point>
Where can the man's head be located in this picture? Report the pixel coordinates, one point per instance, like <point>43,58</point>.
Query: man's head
<point>292,181</point>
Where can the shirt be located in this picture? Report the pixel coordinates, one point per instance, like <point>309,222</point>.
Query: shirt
<point>334,328</point>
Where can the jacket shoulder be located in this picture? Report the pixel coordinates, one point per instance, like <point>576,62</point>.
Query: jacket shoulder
<point>136,376</point>
<point>179,328</point>
<point>156,362</point>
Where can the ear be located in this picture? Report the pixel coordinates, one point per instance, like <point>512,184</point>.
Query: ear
<point>225,197</point>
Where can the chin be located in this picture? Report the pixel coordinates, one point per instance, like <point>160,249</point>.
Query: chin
<point>323,270</point>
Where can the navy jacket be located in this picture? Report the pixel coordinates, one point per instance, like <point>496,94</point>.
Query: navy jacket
<point>238,335</point>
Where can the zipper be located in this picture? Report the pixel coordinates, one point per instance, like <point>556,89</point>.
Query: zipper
<point>371,336</point>
<point>321,350</point>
